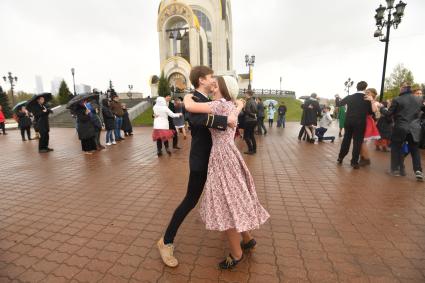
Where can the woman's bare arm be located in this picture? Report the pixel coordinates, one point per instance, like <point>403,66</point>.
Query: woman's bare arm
<point>196,107</point>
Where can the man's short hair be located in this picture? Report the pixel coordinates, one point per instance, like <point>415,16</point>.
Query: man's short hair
<point>249,93</point>
<point>314,95</point>
<point>199,72</point>
<point>361,86</point>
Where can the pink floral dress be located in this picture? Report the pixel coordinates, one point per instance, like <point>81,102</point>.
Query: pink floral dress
<point>229,199</point>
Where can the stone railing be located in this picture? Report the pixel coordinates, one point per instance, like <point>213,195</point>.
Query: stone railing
<point>269,93</point>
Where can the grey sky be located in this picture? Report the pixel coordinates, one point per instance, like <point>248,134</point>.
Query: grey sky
<point>314,45</point>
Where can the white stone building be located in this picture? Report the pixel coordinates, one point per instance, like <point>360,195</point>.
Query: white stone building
<point>192,33</point>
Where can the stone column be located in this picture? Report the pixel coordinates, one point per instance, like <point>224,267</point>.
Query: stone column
<point>194,47</point>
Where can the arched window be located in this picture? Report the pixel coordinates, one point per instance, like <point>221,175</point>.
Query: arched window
<point>203,20</point>
<point>205,23</point>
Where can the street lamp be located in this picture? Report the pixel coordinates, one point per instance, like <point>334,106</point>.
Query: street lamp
<point>73,79</point>
<point>12,80</point>
<point>393,19</point>
<point>129,94</point>
<point>349,83</point>
<point>250,63</point>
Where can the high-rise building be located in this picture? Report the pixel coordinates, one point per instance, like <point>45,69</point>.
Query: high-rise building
<point>82,88</point>
<point>39,84</point>
<point>56,83</point>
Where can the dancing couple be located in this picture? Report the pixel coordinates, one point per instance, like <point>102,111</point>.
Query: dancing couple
<point>229,203</point>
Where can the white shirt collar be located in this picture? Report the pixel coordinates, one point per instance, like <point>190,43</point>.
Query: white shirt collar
<point>361,91</point>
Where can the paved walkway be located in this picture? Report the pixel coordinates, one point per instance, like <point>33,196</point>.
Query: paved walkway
<point>67,217</point>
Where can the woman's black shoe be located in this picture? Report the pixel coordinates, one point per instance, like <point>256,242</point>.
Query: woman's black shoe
<point>249,246</point>
<point>229,262</point>
<point>168,151</point>
<point>159,153</point>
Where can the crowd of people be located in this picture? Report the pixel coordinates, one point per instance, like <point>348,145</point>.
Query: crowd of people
<point>91,117</point>
<point>396,125</point>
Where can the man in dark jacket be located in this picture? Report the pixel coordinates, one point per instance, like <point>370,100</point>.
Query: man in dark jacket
<point>281,115</point>
<point>250,113</point>
<point>260,117</point>
<point>116,108</point>
<point>201,78</point>
<point>355,123</point>
<point>41,115</point>
<point>406,111</point>
<point>24,123</point>
<point>171,122</point>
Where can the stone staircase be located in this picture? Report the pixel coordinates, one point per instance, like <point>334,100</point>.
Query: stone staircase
<point>62,118</point>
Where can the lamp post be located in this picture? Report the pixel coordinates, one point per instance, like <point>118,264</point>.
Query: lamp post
<point>250,61</point>
<point>129,94</point>
<point>349,83</point>
<point>12,80</point>
<point>73,79</point>
<point>393,19</point>
<point>280,86</point>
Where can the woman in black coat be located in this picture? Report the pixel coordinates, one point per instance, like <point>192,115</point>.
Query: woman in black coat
<point>85,129</point>
<point>109,121</point>
<point>126,123</point>
<point>311,110</point>
<point>24,123</point>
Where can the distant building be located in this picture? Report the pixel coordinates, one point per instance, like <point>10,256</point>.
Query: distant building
<point>39,84</point>
<point>82,88</point>
<point>56,83</point>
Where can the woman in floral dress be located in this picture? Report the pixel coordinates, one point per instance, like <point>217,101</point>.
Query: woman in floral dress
<point>229,203</point>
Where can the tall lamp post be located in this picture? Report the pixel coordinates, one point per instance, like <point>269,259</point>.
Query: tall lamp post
<point>73,79</point>
<point>349,83</point>
<point>129,94</point>
<point>12,80</point>
<point>250,63</point>
<point>393,19</point>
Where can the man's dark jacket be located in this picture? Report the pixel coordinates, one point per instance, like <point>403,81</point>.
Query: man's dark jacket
<point>41,118</point>
<point>201,136</point>
<point>357,108</point>
<point>406,112</point>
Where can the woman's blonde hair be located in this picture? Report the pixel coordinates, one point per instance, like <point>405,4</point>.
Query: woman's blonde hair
<point>373,92</point>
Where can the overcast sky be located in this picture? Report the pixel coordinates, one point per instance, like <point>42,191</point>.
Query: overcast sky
<point>314,45</point>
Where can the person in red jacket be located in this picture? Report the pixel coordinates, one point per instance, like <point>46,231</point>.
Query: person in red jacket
<point>2,121</point>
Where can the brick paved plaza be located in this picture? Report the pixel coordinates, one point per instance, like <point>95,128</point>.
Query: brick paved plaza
<point>67,217</point>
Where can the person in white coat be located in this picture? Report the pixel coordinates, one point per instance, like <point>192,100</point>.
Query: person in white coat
<point>161,129</point>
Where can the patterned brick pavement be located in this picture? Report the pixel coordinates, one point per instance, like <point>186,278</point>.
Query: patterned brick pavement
<point>67,217</point>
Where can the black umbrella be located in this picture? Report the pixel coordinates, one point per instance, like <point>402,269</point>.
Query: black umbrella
<point>78,98</point>
<point>33,101</point>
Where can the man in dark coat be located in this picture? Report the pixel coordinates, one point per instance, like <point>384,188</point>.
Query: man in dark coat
<point>355,123</point>
<point>41,115</point>
<point>171,122</point>
<point>260,117</point>
<point>24,122</point>
<point>201,78</point>
<point>406,111</point>
<point>311,110</point>
<point>250,121</point>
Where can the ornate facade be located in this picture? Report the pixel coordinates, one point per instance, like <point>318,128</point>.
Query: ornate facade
<point>191,33</point>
